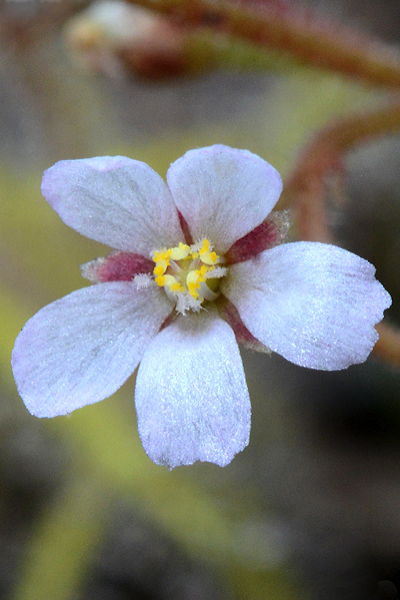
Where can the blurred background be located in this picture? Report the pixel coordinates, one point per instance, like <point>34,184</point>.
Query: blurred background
<point>311,509</point>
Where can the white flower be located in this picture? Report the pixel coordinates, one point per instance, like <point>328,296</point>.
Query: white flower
<point>197,263</point>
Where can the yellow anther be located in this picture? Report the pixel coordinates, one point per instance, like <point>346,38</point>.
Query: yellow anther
<point>177,287</point>
<point>210,258</point>
<point>192,277</point>
<point>202,272</point>
<point>180,252</point>
<point>170,281</point>
<point>205,247</point>
<point>158,256</point>
<point>193,291</point>
<point>206,254</point>
<point>193,283</point>
<point>160,280</point>
<point>160,267</point>
<point>185,271</point>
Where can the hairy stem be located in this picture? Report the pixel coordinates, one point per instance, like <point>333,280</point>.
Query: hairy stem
<point>305,188</point>
<point>286,28</point>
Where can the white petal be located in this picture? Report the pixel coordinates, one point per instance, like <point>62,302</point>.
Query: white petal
<point>114,200</point>
<point>223,193</point>
<point>191,395</point>
<point>316,304</point>
<point>81,348</point>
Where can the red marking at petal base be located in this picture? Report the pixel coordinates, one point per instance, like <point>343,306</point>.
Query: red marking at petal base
<point>185,229</point>
<point>119,266</point>
<point>229,312</point>
<point>269,233</point>
<point>170,319</point>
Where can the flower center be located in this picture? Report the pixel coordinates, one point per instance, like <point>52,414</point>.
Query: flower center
<point>189,274</point>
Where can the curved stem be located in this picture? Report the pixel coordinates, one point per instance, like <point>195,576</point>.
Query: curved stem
<point>288,29</point>
<point>306,186</point>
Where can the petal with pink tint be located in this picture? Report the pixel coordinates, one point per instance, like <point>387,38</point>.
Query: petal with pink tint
<point>81,348</point>
<point>315,304</point>
<point>118,266</point>
<point>114,200</point>
<point>268,234</point>
<point>191,394</point>
<point>223,193</point>
<point>230,314</point>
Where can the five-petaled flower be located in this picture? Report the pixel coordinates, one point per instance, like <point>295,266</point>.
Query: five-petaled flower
<point>198,267</point>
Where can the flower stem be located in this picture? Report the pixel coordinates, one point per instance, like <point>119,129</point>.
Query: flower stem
<point>294,31</point>
<point>306,186</point>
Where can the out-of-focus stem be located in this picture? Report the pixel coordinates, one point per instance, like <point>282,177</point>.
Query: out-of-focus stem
<point>306,186</point>
<point>286,28</point>
<point>387,348</point>
<point>304,190</point>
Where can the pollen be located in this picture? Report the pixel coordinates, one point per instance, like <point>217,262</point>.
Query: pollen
<point>189,274</point>
<point>180,252</point>
<point>161,267</point>
<point>207,257</point>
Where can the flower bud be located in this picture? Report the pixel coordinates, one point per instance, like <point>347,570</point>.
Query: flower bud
<point>116,38</point>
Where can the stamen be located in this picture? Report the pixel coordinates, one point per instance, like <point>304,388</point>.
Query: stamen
<point>207,257</point>
<point>183,271</point>
<point>161,267</point>
<point>162,255</point>
<point>169,280</point>
<point>205,246</point>
<point>193,282</point>
<point>181,252</point>
<point>210,258</point>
